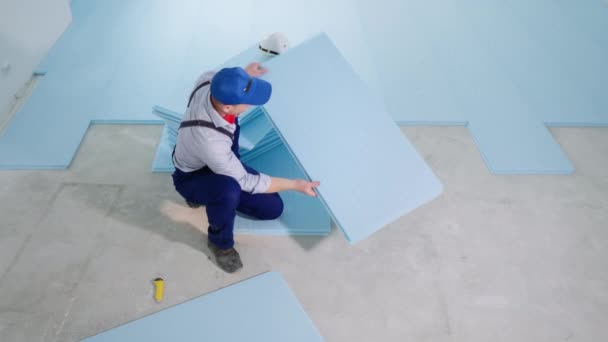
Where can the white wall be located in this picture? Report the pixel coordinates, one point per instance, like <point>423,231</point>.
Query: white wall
<point>28,28</point>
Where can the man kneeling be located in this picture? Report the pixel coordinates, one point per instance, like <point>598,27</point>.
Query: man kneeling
<point>208,170</point>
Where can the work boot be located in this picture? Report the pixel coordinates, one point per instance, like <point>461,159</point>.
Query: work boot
<point>228,259</point>
<point>193,205</point>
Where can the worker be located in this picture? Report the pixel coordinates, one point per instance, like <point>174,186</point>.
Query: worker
<point>208,170</point>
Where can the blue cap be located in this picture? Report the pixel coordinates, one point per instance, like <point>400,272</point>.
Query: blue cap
<point>233,86</point>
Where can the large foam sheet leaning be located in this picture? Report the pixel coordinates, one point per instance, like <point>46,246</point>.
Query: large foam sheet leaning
<point>262,308</point>
<point>342,136</point>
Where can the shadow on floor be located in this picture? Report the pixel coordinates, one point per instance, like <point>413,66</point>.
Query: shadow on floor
<point>165,214</point>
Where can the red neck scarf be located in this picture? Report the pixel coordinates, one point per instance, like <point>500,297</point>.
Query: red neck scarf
<point>230,118</point>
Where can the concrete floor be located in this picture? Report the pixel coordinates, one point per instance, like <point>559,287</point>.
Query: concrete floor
<point>495,258</point>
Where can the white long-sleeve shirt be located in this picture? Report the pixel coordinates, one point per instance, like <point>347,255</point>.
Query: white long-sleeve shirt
<point>198,147</point>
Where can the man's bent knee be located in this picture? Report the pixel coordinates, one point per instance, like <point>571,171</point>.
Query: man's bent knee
<point>273,209</point>
<point>229,191</point>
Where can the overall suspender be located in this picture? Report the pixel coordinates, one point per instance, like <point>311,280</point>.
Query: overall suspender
<point>203,123</point>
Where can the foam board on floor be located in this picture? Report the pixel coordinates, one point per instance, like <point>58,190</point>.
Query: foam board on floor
<point>262,308</point>
<point>470,63</point>
<point>548,53</point>
<point>163,159</point>
<point>342,136</point>
<point>532,70</point>
<point>574,39</point>
<point>46,150</point>
<point>102,67</point>
<point>505,155</point>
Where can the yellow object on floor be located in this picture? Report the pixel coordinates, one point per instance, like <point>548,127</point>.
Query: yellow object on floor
<point>159,289</point>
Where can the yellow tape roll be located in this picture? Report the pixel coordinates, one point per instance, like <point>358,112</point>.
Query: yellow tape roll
<point>159,289</point>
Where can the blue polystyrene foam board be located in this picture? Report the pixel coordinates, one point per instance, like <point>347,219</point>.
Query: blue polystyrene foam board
<point>263,307</point>
<point>505,68</point>
<point>539,79</point>
<point>250,155</point>
<point>258,149</point>
<point>269,139</point>
<point>250,115</point>
<point>370,173</point>
<point>162,159</point>
<point>83,84</point>
<point>253,131</point>
<point>117,58</point>
<point>500,151</point>
<point>268,14</point>
<point>114,62</point>
<point>504,137</point>
<point>302,215</point>
<point>576,46</point>
<point>48,149</point>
